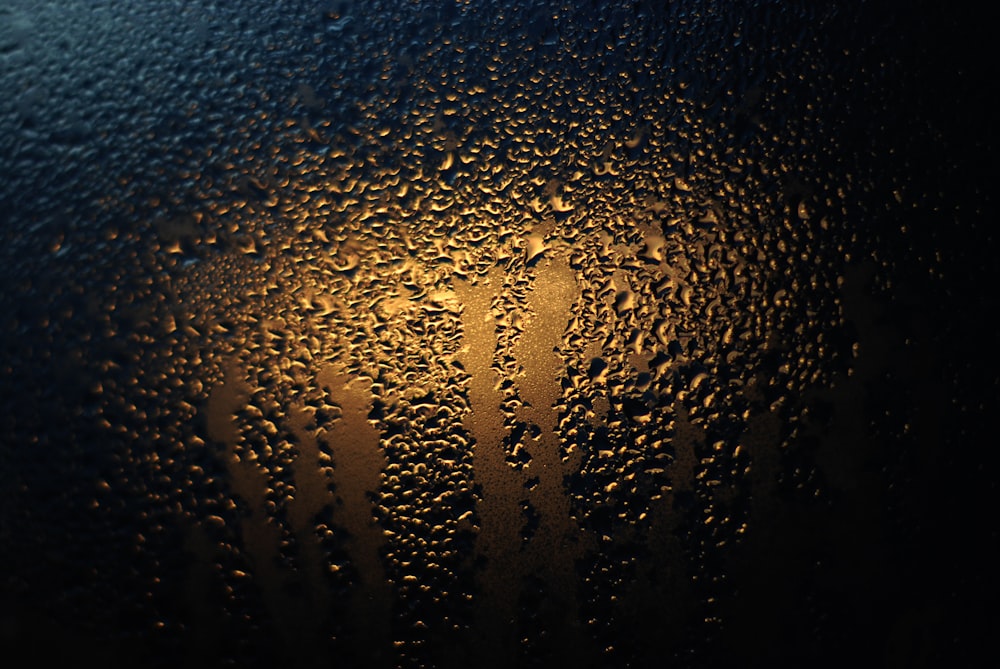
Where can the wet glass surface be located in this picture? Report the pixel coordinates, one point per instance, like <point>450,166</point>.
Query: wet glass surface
<point>432,334</point>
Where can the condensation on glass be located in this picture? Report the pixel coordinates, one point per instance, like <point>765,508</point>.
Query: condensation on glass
<point>427,334</point>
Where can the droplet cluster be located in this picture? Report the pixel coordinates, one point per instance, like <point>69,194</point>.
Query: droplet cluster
<point>498,327</point>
